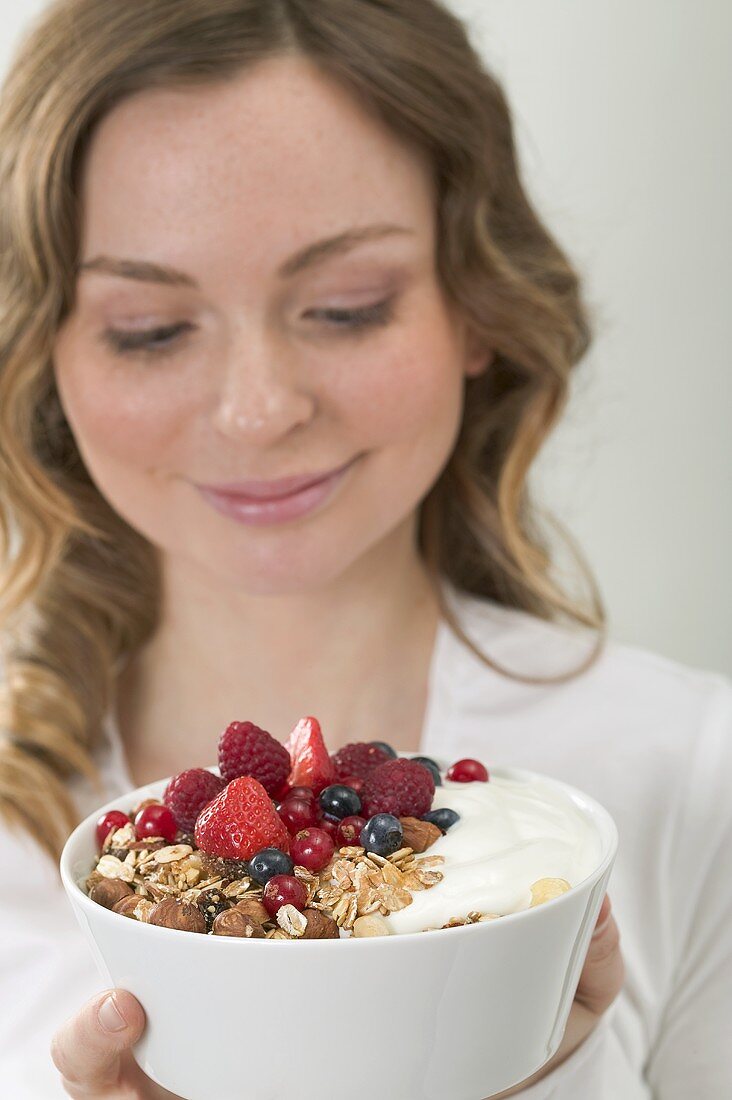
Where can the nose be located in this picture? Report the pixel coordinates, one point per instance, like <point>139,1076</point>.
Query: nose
<point>261,399</point>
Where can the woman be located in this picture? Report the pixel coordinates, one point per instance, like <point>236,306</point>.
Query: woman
<point>251,241</point>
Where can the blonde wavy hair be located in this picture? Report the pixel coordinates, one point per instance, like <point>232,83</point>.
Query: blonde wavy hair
<point>79,589</point>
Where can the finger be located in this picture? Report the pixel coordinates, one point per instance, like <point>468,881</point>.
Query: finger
<point>87,1050</point>
<point>604,971</point>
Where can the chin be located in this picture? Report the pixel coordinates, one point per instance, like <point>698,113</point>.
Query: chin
<point>282,574</point>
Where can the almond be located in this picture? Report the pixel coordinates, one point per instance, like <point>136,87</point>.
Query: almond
<point>371,924</point>
<point>419,835</point>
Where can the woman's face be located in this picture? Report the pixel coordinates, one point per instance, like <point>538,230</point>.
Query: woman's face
<point>263,370</point>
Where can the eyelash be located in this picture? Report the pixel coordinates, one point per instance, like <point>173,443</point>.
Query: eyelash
<point>143,342</point>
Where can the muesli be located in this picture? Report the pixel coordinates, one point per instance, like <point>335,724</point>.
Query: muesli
<point>288,841</point>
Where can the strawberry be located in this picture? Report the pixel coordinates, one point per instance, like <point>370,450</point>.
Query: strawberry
<point>240,821</point>
<point>311,762</point>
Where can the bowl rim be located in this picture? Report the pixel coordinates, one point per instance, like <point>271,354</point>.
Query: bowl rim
<point>598,815</point>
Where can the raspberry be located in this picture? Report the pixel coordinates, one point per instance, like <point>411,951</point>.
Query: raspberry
<point>245,749</point>
<point>359,758</point>
<point>240,821</point>
<point>399,787</point>
<point>187,794</point>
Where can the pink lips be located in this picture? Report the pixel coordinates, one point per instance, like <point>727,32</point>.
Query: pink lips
<point>269,490</point>
<point>258,503</point>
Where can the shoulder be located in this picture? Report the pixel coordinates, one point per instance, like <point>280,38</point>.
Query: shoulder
<point>631,694</point>
<point>534,646</point>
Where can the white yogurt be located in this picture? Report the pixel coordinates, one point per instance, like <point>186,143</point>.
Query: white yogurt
<point>510,834</point>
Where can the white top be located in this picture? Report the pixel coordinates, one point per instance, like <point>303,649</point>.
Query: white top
<point>648,738</point>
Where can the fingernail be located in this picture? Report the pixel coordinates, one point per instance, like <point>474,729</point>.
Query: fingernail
<point>110,1016</point>
<point>603,917</point>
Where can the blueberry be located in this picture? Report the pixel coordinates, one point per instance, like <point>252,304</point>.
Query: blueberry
<point>431,766</point>
<point>385,747</point>
<point>340,801</point>
<point>442,818</point>
<point>267,862</point>
<point>382,834</point>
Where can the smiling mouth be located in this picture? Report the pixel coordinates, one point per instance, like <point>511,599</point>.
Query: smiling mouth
<point>263,491</point>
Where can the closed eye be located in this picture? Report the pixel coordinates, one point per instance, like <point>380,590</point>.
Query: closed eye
<point>162,341</point>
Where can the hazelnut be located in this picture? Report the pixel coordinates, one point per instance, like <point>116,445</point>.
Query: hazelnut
<point>419,835</point>
<point>134,906</point>
<point>253,908</point>
<point>173,913</point>
<point>108,891</point>
<point>320,926</point>
<point>232,922</point>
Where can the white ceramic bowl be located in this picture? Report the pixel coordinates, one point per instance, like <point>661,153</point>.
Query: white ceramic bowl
<point>463,1012</point>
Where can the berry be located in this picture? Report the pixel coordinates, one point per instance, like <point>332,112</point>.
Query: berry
<point>281,792</point>
<point>432,766</point>
<point>240,821</point>
<point>467,771</point>
<point>382,834</point>
<point>355,782</point>
<point>358,758</point>
<point>339,801</point>
<point>298,813</point>
<point>312,848</point>
<point>187,794</point>
<point>329,825</point>
<point>156,820</point>
<point>301,792</point>
<point>211,902</point>
<point>284,890</point>
<point>348,832</point>
<point>442,818</point>
<point>311,764</point>
<point>268,862</point>
<point>385,747</point>
<point>398,787</point>
<point>245,749</point>
<point>113,819</point>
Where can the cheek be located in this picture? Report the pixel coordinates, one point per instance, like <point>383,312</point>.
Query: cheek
<point>409,399</point>
<point>119,419</point>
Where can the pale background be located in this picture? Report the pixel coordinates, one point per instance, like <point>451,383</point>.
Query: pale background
<point>622,115</point>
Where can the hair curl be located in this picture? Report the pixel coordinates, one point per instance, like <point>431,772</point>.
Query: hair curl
<point>80,588</point>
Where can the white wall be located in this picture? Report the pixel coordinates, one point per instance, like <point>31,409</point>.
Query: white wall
<point>622,114</point>
<point>623,120</point>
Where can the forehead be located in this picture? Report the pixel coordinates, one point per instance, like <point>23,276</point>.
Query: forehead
<point>247,171</point>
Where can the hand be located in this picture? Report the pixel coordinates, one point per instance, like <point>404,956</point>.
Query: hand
<point>600,982</point>
<point>92,1051</point>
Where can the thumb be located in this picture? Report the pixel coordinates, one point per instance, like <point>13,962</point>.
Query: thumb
<point>87,1050</point>
<point>603,974</point>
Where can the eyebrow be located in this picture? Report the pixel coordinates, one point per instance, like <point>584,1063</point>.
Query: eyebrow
<point>313,254</point>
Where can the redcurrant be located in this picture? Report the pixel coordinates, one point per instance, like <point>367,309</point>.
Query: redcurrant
<point>298,813</point>
<point>467,771</point>
<point>284,890</point>
<point>349,830</point>
<point>301,792</point>
<point>312,848</point>
<point>329,825</point>
<point>156,821</point>
<point>355,782</point>
<point>113,819</point>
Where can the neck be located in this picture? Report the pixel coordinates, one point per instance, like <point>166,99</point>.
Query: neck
<point>355,653</point>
